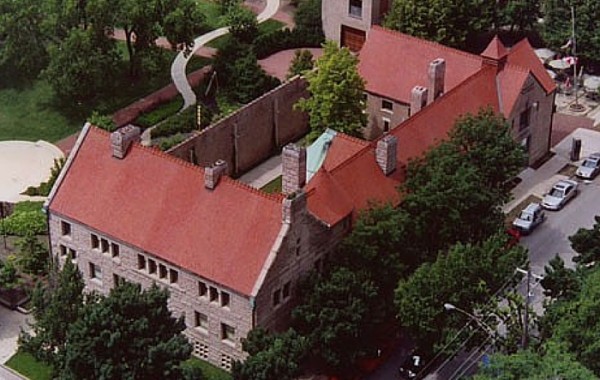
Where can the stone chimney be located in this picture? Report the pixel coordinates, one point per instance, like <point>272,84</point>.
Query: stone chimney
<point>418,99</point>
<point>212,174</point>
<point>436,73</point>
<point>293,207</point>
<point>121,139</point>
<point>385,153</point>
<point>293,168</point>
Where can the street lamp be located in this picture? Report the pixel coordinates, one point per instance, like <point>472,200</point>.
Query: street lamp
<point>491,332</point>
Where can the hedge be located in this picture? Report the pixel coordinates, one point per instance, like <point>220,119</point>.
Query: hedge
<point>160,113</point>
<point>271,43</point>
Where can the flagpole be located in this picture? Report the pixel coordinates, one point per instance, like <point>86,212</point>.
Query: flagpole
<point>576,106</point>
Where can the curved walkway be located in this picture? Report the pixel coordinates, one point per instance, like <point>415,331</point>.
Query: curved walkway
<point>179,64</point>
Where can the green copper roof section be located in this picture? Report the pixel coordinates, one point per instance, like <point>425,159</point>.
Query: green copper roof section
<point>317,151</point>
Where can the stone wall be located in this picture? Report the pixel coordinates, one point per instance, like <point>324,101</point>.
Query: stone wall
<point>377,116</point>
<point>102,269</point>
<point>253,133</point>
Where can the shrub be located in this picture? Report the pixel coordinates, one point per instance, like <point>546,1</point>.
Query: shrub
<point>183,122</point>
<point>22,223</point>
<point>102,121</point>
<point>308,19</point>
<point>243,24</point>
<point>270,43</point>
<point>303,61</point>
<point>160,113</point>
<point>44,188</point>
<point>171,141</point>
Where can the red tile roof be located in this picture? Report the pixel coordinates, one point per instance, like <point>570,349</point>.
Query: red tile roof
<point>341,149</point>
<point>510,81</point>
<point>495,50</point>
<point>522,54</point>
<point>393,63</point>
<point>159,204</point>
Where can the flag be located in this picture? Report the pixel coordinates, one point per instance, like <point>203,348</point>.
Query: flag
<point>570,60</point>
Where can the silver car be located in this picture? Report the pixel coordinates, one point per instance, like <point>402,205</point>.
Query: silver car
<point>531,216</point>
<point>590,167</point>
<point>562,192</point>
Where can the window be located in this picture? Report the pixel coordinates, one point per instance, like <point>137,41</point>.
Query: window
<point>115,249</point>
<point>162,271</point>
<point>276,297</point>
<point>227,333</point>
<point>524,119</point>
<point>214,294</point>
<point>173,276</point>
<point>386,105</point>
<point>63,250</point>
<point>95,241</point>
<point>202,289</point>
<point>117,280</point>
<point>73,254</point>
<point>226,362</point>
<point>286,290</point>
<point>95,272</point>
<point>386,124</point>
<point>65,228</point>
<point>104,245</point>
<point>141,262</point>
<point>151,266</point>
<point>201,350</point>
<point>201,321</point>
<point>355,8</point>
<point>224,299</point>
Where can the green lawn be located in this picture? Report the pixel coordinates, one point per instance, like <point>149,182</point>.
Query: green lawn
<point>209,371</point>
<point>212,11</point>
<point>274,186</point>
<point>28,366</point>
<point>263,28</point>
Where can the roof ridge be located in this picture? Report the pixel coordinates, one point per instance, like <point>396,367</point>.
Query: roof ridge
<point>428,42</point>
<point>352,138</point>
<point>425,111</point>
<point>352,158</point>
<point>197,169</point>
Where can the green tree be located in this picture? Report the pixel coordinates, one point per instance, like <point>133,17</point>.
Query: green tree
<point>33,256</point>
<point>251,81</point>
<point>560,282</point>
<point>336,93</point>
<point>9,278</point>
<point>79,68</point>
<point>448,22</point>
<point>308,19</point>
<point>56,308</point>
<point>243,25</point>
<point>23,45</point>
<point>102,121</point>
<point>332,315</point>
<point>467,276</point>
<point>302,62</point>
<point>586,242</point>
<point>519,15</point>
<point>551,361</point>
<point>557,26</point>
<point>130,334</point>
<point>271,356</point>
<point>184,23</point>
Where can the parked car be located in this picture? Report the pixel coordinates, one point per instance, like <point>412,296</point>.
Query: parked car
<point>590,167</point>
<point>562,192</point>
<point>529,218</point>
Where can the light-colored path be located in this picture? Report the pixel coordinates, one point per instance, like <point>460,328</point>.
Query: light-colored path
<point>180,62</point>
<point>23,164</point>
<point>11,323</point>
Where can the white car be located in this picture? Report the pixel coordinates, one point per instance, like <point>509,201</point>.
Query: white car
<point>562,192</point>
<point>529,218</point>
<point>590,167</point>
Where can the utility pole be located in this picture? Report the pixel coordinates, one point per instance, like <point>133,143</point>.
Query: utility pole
<point>524,338</point>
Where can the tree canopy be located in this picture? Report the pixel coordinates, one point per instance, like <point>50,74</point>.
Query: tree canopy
<point>336,94</point>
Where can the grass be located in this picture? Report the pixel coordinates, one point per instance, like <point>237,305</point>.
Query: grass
<point>263,28</point>
<point>209,371</point>
<point>212,10</point>
<point>274,186</point>
<point>25,364</point>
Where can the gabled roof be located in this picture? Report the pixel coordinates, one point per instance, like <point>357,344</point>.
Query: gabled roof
<point>523,55</point>
<point>495,50</point>
<point>393,63</point>
<point>431,125</point>
<point>159,204</point>
<point>346,187</point>
<point>511,81</point>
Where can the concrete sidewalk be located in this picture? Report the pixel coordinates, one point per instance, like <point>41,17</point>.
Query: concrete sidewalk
<point>11,323</point>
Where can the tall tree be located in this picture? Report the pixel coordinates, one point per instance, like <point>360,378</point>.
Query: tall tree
<point>557,26</point>
<point>560,282</point>
<point>518,15</point>
<point>129,334</point>
<point>243,24</point>
<point>467,276</point>
<point>33,256</point>
<point>445,21</point>
<point>336,94</point>
<point>56,308</point>
<point>271,356</point>
<point>586,242</point>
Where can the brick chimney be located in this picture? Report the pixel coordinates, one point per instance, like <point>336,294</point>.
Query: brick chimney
<point>121,139</point>
<point>212,174</point>
<point>385,153</point>
<point>293,207</point>
<point>293,168</point>
<point>436,74</point>
<point>418,99</point>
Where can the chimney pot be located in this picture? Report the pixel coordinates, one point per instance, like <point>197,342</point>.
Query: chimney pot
<point>293,168</point>
<point>436,73</point>
<point>418,99</point>
<point>385,154</point>
<point>121,139</point>
<point>213,174</point>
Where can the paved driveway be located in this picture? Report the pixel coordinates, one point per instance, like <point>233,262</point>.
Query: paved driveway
<point>11,323</point>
